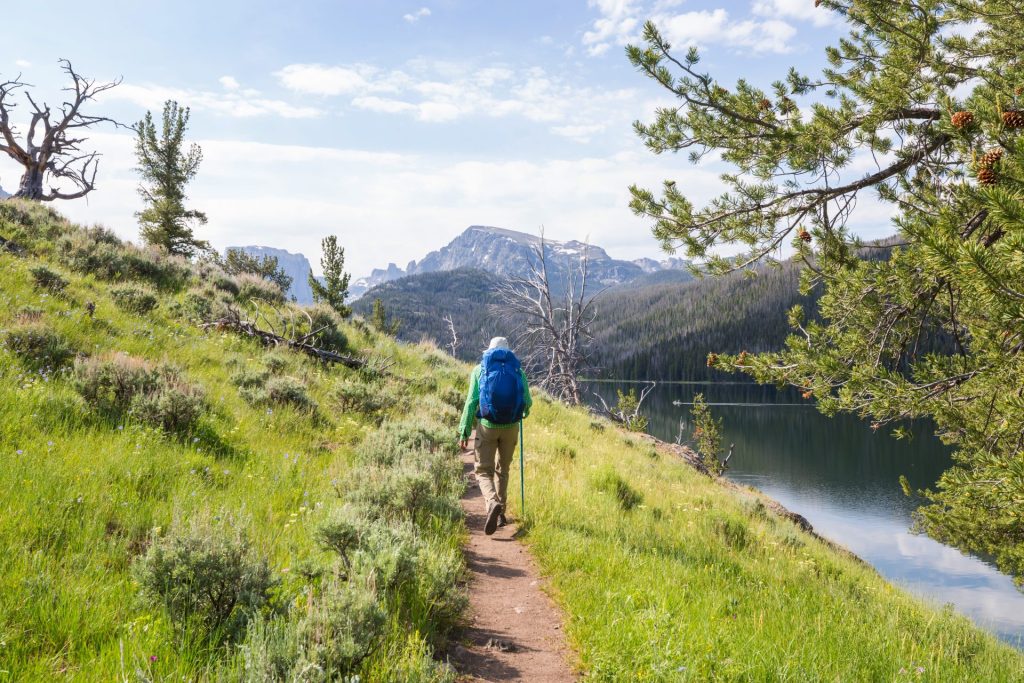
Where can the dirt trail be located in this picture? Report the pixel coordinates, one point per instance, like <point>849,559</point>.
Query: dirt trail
<point>514,631</point>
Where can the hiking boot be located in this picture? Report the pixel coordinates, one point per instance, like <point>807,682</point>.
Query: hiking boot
<point>493,512</point>
<point>501,520</point>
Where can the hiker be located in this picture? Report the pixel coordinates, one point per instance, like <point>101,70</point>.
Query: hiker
<point>498,399</point>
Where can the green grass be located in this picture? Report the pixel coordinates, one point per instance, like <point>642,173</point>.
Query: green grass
<point>668,576</point>
<point>84,493</point>
<point>664,574</point>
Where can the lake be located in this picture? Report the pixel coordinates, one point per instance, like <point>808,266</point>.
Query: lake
<point>844,478</point>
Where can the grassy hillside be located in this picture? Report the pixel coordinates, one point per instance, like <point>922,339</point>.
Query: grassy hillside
<point>190,505</point>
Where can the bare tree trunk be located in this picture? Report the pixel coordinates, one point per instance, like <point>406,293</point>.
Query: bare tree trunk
<point>31,185</point>
<point>552,328</point>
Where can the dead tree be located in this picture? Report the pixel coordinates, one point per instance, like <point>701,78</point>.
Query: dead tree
<point>551,327</point>
<point>453,345</point>
<point>627,410</point>
<point>56,157</point>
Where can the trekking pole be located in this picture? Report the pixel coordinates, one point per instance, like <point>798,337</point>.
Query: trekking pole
<point>522,474</point>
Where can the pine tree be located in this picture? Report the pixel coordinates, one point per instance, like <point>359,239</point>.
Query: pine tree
<point>166,168</point>
<point>380,322</point>
<point>931,328</point>
<point>334,289</point>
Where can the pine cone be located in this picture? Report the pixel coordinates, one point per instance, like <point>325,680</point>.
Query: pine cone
<point>962,119</point>
<point>990,158</point>
<point>804,235</point>
<point>986,176</point>
<point>817,3</point>
<point>712,359</point>
<point>765,104</point>
<point>742,357</point>
<point>1013,118</point>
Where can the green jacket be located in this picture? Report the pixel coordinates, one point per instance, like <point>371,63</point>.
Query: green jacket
<point>473,402</point>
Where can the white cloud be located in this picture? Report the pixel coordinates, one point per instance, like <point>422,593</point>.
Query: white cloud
<point>619,23</point>
<point>229,82</point>
<point>382,104</point>
<point>799,10</point>
<point>704,27</point>
<point>413,17</point>
<point>317,79</point>
<point>442,92</point>
<point>23,63</point>
<point>244,104</point>
<point>579,133</point>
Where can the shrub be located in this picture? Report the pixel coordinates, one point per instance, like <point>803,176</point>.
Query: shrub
<point>277,389</point>
<point>394,440</point>
<point>342,625</point>
<point>275,361</point>
<point>254,287</point>
<point>250,377</point>
<point>330,336</point>
<point>417,490</point>
<point>39,347</point>
<point>363,397</point>
<point>609,481</point>
<point>48,279</point>
<point>119,385</point>
<point>290,391</point>
<point>270,651</point>
<point>206,577</point>
<point>201,305</point>
<point>225,283</point>
<point>134,299</point>
<point>341,533</point>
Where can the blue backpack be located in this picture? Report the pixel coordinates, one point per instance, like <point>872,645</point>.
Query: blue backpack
<point>501,388</point>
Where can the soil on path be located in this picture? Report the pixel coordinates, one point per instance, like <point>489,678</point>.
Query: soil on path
<point>514,632</point>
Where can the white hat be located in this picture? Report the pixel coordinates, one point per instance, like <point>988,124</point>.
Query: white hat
<point>498,343</point>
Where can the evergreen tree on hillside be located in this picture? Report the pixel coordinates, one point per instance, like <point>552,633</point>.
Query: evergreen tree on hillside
<point>334,289</point>
<point>931,94</point>
<point>380,320</point>
<point>166,168</point>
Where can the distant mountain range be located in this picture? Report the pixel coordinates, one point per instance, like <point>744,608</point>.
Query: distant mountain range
<point>295,265</point>
<point>4,195</point>
<point>504,253</point>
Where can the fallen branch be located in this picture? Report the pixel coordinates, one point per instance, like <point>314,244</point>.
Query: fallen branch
<point>234,322</point>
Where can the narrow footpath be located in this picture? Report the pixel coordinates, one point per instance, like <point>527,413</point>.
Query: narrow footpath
<point>514,630</point>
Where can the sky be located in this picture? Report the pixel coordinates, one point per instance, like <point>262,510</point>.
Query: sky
<point>395,125</point>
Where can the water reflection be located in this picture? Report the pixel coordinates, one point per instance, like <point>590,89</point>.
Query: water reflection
<point>844,478</point>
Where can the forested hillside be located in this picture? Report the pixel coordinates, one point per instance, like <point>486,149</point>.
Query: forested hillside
<point>661,326</point>
<point>665,332</point>
<point>421,302</point>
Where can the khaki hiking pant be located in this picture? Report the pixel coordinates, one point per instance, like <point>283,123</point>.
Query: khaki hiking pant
<point>486,443</point>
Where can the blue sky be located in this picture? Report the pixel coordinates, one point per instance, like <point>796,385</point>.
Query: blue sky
<point>397,124</point>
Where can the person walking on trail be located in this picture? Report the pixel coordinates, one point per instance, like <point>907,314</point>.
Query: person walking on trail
<point>498,399</point>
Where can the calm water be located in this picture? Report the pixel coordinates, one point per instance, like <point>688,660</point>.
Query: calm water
<point>844,479</point>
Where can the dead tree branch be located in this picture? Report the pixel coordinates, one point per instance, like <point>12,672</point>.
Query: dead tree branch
<point>629,414</point>
<point>233,321</point>
<point>57,157</point>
